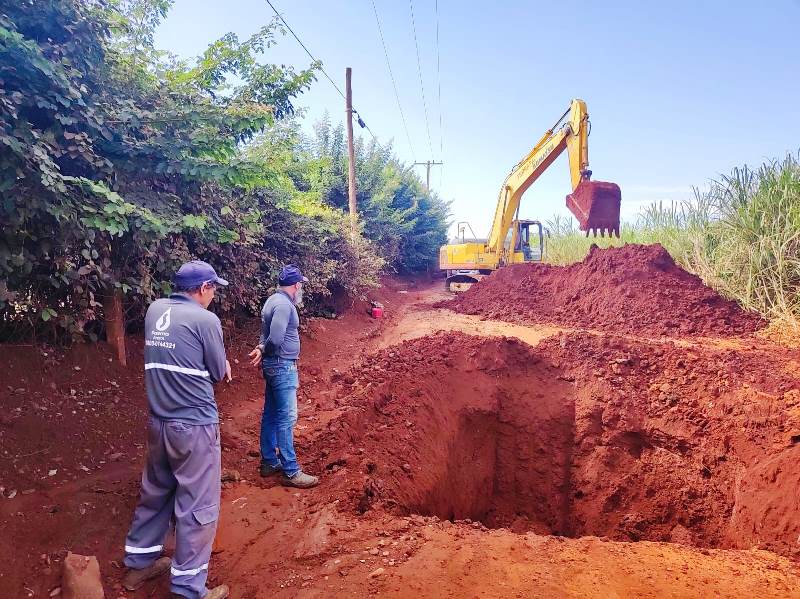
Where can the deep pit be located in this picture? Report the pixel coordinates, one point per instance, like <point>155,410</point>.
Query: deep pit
<point>579,436</point>
<point>504,460</point>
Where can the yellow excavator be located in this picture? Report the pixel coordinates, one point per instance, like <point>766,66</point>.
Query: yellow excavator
<point>595,204</point>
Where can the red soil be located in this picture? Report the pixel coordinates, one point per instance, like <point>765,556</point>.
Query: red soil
<point>689,442</point>
<point>578,436</point>
<point>636,289</point>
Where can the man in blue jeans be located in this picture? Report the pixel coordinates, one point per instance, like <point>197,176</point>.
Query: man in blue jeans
<point>277,353</point>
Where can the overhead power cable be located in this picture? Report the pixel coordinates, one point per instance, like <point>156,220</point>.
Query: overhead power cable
<point>394,84</point>
<point>419,70</point>
<point>315,59</point>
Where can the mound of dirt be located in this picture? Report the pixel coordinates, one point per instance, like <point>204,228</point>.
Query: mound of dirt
<point>635,289</point>
<point>579,436</point>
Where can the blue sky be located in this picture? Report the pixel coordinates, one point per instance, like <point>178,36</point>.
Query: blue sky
<point>678,92</point>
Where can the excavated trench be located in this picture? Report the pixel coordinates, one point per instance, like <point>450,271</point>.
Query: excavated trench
<point>578,437</point>
<point>505,466</point>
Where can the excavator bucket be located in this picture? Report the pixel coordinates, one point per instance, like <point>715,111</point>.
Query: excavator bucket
<point>596,206</point>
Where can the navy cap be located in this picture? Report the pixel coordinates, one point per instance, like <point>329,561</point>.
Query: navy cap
<point>195,273</point>
<point>290,275</point>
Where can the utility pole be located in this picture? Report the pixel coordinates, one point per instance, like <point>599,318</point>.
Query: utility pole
<point>351,179</point>
<point>428,164</point>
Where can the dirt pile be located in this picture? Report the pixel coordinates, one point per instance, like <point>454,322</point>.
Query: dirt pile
<point>580,436</point>
<point>636,289</point>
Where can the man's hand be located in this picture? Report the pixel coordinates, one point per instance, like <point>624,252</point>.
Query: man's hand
<point>228,372</point>
<point>256,357</point>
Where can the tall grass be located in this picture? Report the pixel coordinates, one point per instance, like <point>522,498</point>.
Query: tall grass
<point>741,236</point>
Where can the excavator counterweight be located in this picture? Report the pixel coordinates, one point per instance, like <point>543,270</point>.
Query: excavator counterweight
<point>596,206</point>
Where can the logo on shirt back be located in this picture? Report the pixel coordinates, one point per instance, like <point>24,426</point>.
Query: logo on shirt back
<point>162,324</point>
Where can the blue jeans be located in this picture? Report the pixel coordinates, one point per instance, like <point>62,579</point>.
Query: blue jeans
<point>280,414</point>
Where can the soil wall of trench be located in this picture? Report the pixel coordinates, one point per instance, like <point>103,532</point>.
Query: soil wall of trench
<point>581,435</point>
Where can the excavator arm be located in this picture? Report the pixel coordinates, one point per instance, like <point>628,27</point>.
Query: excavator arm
<point>594,203</point>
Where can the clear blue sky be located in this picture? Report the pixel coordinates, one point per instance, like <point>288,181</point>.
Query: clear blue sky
<point>678,92</point>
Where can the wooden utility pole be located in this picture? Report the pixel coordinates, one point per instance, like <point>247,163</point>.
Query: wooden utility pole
<point>428,164</point>
<point>115,323</point>
<point>350,152</point>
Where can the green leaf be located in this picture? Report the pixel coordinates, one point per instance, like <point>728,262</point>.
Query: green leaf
<point>192,221</point>
<point>227,236</point>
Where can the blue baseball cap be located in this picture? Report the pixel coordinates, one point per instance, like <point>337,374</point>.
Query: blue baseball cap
<point>195,273</point>
<point>290,275</point>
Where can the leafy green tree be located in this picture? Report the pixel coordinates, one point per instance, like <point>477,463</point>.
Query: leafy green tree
<point>406,222</point>
<point>116,157</point>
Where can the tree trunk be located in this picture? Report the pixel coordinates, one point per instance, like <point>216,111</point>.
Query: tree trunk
<point>115,323</point>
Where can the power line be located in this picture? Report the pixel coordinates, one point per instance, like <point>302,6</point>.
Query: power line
<point>391,75</point>
<point>438,75</point>
<point>277,14</point>
<point>324,72</point>
<point>419,70</point>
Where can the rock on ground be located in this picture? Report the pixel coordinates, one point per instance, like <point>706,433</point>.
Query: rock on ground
<point>81,577</point>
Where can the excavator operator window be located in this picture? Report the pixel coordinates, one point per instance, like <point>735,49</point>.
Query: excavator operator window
<point>523,238</point>
<point>531,252</point>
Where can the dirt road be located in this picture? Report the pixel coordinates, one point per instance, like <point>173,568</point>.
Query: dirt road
<point>460,457</point>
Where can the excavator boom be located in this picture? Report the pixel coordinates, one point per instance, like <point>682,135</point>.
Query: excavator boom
<point>595,204</point>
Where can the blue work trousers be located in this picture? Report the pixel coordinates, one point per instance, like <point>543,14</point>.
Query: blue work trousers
<point>280,414</point>
<point>181,480</point>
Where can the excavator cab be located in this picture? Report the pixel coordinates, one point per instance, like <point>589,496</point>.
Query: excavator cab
<point>465,263</point>
<point>527,241</point>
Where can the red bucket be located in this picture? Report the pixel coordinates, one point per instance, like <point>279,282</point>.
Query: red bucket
<point>377,312</point>
<point>596,206</point>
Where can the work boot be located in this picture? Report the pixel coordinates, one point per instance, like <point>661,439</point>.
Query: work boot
<point>220,592</point>
<point>136,578</point>
<point>268,469</point>
<point>301,480</point>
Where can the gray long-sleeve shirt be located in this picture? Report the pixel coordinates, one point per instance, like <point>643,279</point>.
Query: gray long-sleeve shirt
<point>184,356</point>
<point>279,322</point>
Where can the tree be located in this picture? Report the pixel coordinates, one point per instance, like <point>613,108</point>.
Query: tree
<point>119,162</point>
<point>114,151</point>
<point>408,223</point>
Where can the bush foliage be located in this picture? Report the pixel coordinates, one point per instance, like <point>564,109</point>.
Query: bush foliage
<point>119,162</point>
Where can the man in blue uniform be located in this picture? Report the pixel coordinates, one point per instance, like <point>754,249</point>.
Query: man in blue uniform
<point>277,353</point>
<point>184,357</point>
